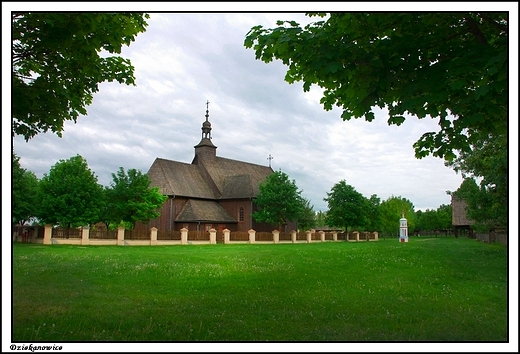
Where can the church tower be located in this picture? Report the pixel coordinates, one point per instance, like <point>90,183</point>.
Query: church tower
<point>205,149</point>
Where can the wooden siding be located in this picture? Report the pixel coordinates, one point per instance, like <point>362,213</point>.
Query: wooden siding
<point>459,214</point>
<point>232,206</point>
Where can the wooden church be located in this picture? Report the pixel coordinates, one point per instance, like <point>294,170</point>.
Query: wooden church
<point>210,192</point>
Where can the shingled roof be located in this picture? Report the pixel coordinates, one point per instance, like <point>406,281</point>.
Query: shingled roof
<point>236,179</point>
<point>230,178</point>
<point>205,211</point>
<point>180,179</point>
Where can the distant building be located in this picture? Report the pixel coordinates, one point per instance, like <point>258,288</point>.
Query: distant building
<point>211,192</point>
<point>460,221</point>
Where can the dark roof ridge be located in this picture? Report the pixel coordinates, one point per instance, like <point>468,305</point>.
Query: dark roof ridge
<point>170,160</point>
<point>209,179</point>
<point>249,163</point>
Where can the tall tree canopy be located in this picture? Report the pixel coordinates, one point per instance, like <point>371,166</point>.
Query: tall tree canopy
<point>130,198</point>
<point>487,163</point>
<point>449,66</point>
<point>279,200</point>
<point>373,213</point>
<point>482,206</point>
<point>307,216</point>
<point>445,216</point>
<point>57,64</point>
<point>321,219</point>
<point>347,207</point>
<point>25,193</point>
<point>434,220</point>
<point>70,194</point>
<point>392,209</point>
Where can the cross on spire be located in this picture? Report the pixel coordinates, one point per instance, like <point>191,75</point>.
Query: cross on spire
<point>270,158</point>
<point>206,126</point>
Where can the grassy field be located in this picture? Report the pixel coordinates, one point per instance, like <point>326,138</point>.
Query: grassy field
<point>430,289</point>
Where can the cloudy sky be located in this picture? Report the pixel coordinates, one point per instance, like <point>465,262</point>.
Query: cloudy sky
<point>186,59</point>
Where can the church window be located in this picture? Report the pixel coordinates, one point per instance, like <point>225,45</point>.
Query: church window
<point>241,214</point>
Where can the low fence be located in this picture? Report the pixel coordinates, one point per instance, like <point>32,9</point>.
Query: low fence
<point>433,233</point>
<point>168,235</point>
<point>66,233</point>
<point>102,236</point>
<point>122,237</point>
<point>239,236</point>
<point>27,233</point>
<point>493,236</point>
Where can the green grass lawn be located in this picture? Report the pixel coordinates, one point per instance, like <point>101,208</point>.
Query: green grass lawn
<point>429,289</point>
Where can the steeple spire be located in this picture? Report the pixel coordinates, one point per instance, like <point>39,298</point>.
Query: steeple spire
<point>206,126</point>
<point>205,149</point>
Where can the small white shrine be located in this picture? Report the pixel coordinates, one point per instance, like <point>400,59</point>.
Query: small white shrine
<point>403,229</point>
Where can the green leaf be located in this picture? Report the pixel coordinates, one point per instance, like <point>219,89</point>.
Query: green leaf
<point>397,120</point>
<point>369,116</point>
<point>457,85</point>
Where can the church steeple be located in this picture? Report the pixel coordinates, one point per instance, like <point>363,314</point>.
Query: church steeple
<point>206,126</point>
<point>205,149</point>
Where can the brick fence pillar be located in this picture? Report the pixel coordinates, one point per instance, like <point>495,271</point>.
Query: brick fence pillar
<point>120,236</point>
<point>212,236</point>
<point>226,235</point>
<point>276,236</point>
<point>252,236</point>
<point>153,236</point>
<point>47,235</point>
<point>85,235</point>
<point>184,236</point>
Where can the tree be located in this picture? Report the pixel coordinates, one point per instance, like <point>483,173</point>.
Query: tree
<point>487,161</point>
<point>320,219</point>
<point>449,66</point>
<point>430,219</point>
<point>279,200</point>
<point>347,207</point>
<point>445,217</point>
<point>57,64</point>
<point>130,198</point>
<point>427,220</point>
<point>481,207</point>
<point>25,193</point>
<point>418,221</point>
<point>70,194</point>
<point>392,210</point>
<point>307,216</point>
<point>373,213</point>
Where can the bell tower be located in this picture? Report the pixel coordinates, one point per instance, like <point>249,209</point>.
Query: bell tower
<point>206,126</point>
<point>205,148</point>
